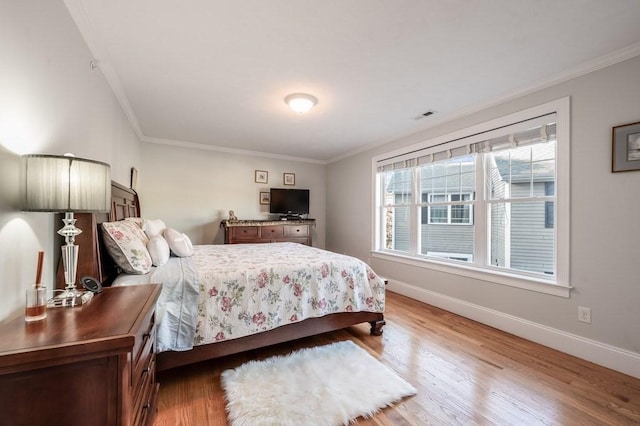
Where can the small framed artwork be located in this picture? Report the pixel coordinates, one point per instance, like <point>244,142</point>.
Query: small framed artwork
<point>134,178</point>
<point>625,155</point>
<point>289,178</point>
<point>265,198</point>
<point>262,176</point>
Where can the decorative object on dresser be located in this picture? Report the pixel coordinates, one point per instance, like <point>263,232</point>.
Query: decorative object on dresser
<point>91,284</point>
<point>328,382</point>
<point>91,365</point>
<point>232,216</point>
<point>67,184</point>
<point>268,231</point>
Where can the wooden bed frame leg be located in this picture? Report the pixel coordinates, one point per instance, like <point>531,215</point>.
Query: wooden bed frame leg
<point>376,327</point>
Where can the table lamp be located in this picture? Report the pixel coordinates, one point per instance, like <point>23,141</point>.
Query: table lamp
<point>65,184</point>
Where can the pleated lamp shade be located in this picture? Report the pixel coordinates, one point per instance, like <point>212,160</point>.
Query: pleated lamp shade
<point>53,183</point>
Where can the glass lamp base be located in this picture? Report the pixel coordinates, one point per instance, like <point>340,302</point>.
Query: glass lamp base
<point>69,297</point>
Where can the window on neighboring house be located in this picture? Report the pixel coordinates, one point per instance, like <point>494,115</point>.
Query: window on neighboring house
<point>445,209</point>
<point>548,205</point>
<point>488,200</point>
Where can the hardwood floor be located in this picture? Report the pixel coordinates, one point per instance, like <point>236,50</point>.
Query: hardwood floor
<point>466,373</point>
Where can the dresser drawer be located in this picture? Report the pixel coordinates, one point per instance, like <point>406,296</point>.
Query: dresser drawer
<point>244,232</point>
<point>144,406</point>
<point>144,336</point>
<point>143,373</point>
<point>144,366</point>
<point>296,231</point>
<point>271,232</point>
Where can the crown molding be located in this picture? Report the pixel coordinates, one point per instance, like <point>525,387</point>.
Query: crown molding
<point>588,67</point>
<point>86,27</point>
<point>216,148</point>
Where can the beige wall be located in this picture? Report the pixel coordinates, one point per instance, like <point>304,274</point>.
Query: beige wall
<point>50,102</point>
<point>605,231</point>
<point>193,189</point>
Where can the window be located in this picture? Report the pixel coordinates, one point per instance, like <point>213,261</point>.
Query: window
<point>449,212</point>
<point>486,200</point>
<point>519,237</point>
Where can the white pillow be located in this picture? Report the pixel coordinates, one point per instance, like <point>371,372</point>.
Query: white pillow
<point>159,250</point>
<point>153,227</point>
<point>124,244</point>
<point>179,243</point>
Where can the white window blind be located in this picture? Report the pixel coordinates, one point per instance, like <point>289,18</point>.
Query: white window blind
<point>518,134</point>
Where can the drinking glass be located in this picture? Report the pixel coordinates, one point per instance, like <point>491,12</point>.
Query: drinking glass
<point>36,308</point>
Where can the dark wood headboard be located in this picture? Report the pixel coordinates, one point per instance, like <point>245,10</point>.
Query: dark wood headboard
<point>93,259</point>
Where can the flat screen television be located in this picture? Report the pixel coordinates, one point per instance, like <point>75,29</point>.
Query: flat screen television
<point>289,201</point>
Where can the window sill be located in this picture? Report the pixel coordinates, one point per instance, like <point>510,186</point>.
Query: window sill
<point>511,280</point>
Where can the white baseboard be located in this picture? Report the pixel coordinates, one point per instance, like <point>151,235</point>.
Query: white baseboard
<point>612,357</point>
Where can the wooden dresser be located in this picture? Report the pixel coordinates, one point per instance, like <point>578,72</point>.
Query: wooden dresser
<point>268,231</point>
<point>88,365</point>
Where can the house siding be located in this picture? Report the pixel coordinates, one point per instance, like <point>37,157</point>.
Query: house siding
<point>532,243</point>
<point>447,239</point>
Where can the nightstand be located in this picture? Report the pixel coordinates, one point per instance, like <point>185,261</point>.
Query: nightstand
<point>88,365</point>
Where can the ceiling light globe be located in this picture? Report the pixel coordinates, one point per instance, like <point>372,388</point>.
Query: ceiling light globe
<point>301,102</point>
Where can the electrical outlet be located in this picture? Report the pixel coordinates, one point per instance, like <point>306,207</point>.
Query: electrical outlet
<point>584,314</point>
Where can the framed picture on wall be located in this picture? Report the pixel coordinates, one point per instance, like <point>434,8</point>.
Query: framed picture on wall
<point>134,178</point>
<point>265,198</point>
<point>625,155</point>
<point>289,178</point>
<point>262,176</point>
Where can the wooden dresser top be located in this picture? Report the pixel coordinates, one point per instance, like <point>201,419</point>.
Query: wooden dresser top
<point>231,223</point>
<point>106,323</point>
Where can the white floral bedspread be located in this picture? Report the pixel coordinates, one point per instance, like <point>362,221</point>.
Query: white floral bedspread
<point>250,288</point>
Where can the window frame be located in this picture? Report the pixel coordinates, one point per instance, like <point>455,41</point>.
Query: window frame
<point>558,285</point>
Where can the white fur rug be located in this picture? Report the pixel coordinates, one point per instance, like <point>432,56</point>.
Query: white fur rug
<point>325,385</point>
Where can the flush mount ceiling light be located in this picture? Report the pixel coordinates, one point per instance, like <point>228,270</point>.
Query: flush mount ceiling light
<point>300,102</point>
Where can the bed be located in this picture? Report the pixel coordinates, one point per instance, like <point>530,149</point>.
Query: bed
<point>293,309</point>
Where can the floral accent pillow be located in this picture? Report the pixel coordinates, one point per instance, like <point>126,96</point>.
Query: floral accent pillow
<point>136,224</point>
<point>137,220</point>
<point>127,247</point>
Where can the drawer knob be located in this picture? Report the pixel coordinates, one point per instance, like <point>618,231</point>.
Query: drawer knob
<point>146,370</point>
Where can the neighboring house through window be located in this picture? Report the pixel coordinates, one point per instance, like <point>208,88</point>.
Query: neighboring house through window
<point>487,200</point>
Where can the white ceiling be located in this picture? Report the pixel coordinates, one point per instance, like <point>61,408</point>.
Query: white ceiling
<point>215,73</point>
